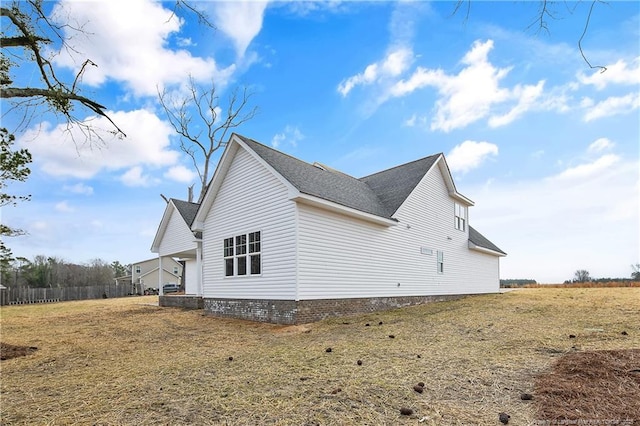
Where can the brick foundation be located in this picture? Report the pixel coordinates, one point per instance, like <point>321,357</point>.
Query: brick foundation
<point>181,301</point>
<point>306,311</point>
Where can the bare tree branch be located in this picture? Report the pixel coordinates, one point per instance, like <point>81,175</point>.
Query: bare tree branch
<point>584,32</point>
<point>540,22</point>
<point>54,92</point>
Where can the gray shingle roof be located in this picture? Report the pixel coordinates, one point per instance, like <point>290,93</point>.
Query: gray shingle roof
<point>326,184</point>
<point>481,241</point>
<point>187,210</point>
<point>394,185</point>
<point>380,194</point>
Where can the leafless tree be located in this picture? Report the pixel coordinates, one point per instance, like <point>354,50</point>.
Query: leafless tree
<point>203,126</point>
<point>581,276</point>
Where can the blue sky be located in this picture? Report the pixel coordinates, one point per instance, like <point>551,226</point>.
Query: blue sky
<point>547,148</point>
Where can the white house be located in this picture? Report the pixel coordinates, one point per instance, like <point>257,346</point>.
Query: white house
<point>145,274</point>
<point>290,242</point>
<point>174,239</point>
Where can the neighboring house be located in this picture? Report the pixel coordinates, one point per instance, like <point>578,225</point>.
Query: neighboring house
<point>145,274</point>
<point>174,239</point>
<point>290,242</point>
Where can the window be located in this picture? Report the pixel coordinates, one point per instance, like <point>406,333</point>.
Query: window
<point>175,270</point>
<point>460,220</point>
<point>137,269</point>
<point>254,252</point>
<point>440,262</point>
<point>242,255</point>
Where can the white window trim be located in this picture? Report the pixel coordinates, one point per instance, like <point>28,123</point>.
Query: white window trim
<point>440,262</point>
<point>247,254</point>
<point>460,221</point>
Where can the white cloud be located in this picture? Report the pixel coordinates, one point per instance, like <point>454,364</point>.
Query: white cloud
<point>527,97</point>
<point>538,154</point>
<point>600,145</point>
<point>613,105</point>
<point>56,151</point>
<point>180,174</point>
<point>618,73</point>
<point>240,20</point>
<point>291,135</point>
<point>395,63</point>
<point>589,169</point>
<point>469,155</point>
<point>135,177</point>
<point>79,188</point>
<point>592,220</point>
<point>128,46</point>
<point>64,207</point>
<point>472,93</point>
<point>415,120</point>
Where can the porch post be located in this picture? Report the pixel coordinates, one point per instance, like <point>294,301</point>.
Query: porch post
<point>160,292</point>
<point>199,287</point>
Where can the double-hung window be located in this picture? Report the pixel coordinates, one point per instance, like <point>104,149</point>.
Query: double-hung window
<point>242,255</point>
<point>460,213</point>
<point>440,262</point>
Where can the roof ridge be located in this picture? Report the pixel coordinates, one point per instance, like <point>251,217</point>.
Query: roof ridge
<point>401,165</point>
<point>333,170</point>
<point>183,201</point>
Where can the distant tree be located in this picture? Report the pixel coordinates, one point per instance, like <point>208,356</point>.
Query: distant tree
<point>635,275</point>
<point>581,276</point>
<point>13,168</point>
<point>119,269</point>
<point>99,272</point>
<point>201,137</point>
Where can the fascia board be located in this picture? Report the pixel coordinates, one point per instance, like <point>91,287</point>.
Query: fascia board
<point>338,208</point>
<point>472,246</point>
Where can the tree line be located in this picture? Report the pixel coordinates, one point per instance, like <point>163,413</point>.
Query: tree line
<point>53,272</point>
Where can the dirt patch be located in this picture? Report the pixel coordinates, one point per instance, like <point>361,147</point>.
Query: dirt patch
<point>8,351</point>
<point>596,387</point>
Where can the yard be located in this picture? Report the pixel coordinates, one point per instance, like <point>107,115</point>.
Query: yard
<point>126,361</point>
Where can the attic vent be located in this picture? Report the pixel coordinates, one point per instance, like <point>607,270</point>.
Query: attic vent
<point>326,168</point>
<point>320,166</point>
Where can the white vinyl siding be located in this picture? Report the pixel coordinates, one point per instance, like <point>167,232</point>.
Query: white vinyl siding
<point>341,257</point>
<point>191,277</point>
<point>177,238</point>
<point>251,199</point>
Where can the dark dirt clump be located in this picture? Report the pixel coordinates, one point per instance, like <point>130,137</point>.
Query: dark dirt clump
<point>8,351</point>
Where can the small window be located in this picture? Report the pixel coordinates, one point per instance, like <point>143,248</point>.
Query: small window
<point>254,252</point>
<point>175,270</point>
<point>460,216</point>
<point>440,262</point>
<point>242,255</point>
<point>228,257</point>
<point>138,269</point>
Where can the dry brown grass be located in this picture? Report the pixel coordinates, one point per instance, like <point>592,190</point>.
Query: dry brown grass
<point>124,361</point>
<point>591,284</point>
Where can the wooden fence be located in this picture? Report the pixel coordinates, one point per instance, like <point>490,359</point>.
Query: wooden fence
<point>24,295</point>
